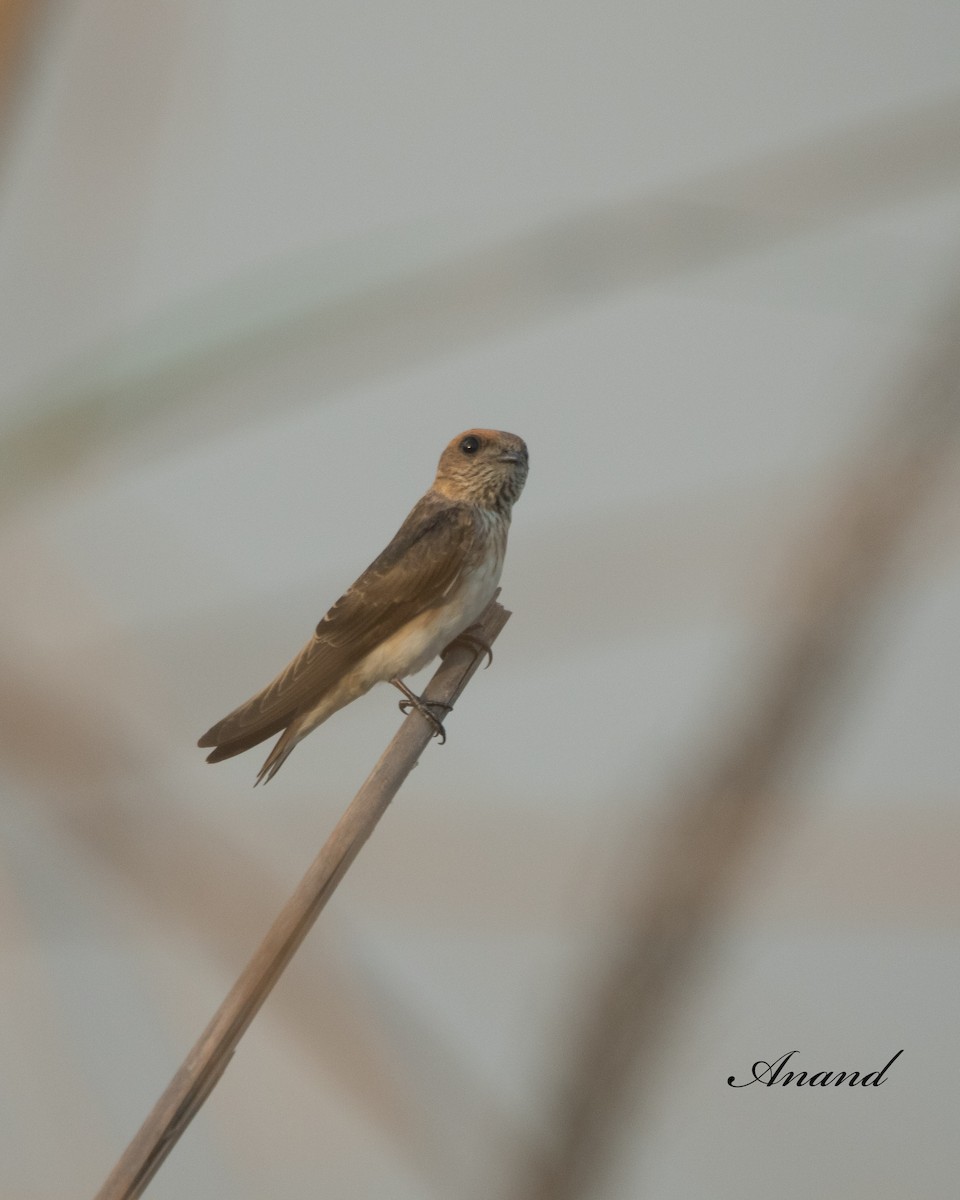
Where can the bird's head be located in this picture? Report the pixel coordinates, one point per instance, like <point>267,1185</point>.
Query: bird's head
<point>486,467</point>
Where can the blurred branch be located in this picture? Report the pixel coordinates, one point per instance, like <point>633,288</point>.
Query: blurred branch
<point>403,317</point>
<point>174,868</point>
<point>17,18</point>
<point>836,576</point>
<point>208,1059</point>
<point>66,733</point>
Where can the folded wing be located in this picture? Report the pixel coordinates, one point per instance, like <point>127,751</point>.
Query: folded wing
<point>414,573</point>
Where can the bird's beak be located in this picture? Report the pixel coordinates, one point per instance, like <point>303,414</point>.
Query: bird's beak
<point>512,456</point>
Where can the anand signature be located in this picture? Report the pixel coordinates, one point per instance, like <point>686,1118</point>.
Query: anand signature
<point>769,1073</point>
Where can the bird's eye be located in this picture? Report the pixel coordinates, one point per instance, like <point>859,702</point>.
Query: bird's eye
<point>470,445</point>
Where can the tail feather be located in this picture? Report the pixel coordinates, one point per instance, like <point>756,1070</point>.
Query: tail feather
<point>295,724</point>
<point>278,755</point>
<point>238,745</point>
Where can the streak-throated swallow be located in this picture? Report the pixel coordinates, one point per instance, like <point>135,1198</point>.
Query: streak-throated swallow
<point>427,587</point>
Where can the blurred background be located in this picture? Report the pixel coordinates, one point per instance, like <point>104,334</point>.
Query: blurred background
<point>259,264</point>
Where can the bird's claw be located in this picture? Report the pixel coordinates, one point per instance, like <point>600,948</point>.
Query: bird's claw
<point>477,644</point>
<point>423,707</point>
<point>407,706</point>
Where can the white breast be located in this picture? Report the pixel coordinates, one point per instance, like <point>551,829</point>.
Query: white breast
<point>422,639</point>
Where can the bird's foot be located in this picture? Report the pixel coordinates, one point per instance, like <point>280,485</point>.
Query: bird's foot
<point>424,708</point>
<point>475,643</point>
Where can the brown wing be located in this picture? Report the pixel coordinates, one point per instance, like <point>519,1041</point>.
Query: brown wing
<point>413,574</point>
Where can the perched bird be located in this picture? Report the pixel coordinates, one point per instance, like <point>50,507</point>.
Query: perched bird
<point>427,587</point>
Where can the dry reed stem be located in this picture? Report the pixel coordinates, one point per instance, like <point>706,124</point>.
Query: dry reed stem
<point>208,1059</point>
<point>835,576</point>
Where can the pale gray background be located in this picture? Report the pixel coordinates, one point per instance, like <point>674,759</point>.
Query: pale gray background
<point>214,411</point>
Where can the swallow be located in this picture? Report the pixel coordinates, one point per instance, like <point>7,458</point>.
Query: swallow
<point>429,585</point>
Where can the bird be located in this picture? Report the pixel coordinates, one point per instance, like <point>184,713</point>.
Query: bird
<point>424,591</point>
